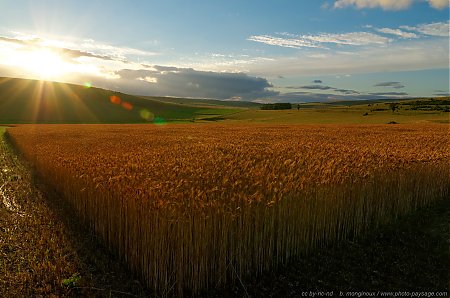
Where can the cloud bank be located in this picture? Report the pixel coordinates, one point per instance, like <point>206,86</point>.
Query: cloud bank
<point>187,82</point>
<point>303,97</point>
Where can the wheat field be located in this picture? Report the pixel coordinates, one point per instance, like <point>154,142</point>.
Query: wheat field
<point>193,207</point>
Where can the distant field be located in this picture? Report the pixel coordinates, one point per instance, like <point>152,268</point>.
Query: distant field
<point>190,207</point>
<point>338,114</point>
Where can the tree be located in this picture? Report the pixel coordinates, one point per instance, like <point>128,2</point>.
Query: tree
<point>393,106</point>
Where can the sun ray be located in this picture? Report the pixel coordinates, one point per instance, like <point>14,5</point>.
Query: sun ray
<point>81,109</point>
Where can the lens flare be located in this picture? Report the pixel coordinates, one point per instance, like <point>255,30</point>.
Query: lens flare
<point>159,121</point>
<point>115,99</point>
<point>147,115</point>
<point>127,106</point>
<point>87,85</point>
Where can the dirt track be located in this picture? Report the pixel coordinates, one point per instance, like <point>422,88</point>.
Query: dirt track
<point>42,251</point>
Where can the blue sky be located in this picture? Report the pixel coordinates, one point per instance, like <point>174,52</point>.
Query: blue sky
<point>250,50</point>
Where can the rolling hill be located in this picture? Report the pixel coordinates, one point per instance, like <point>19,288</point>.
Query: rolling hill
<point>33,101</point>
<point>204,102</point>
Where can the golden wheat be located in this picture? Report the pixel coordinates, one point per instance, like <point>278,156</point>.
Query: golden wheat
<point>191,207</point>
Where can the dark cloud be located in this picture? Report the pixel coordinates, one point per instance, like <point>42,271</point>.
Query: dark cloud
<point>317,87</point>
<point>187,82</point>
<point>317,82</point>
<point>346,91</point>
<point>390,93</point>
<point>396,85</point>
<point>441,93</point>
<point>292,87</point>
<point>167,68</point>
<point>299,97</point>
<point>322,87</point>
<point>78,53</point>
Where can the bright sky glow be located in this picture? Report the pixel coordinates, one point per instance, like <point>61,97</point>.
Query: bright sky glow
<point>254,50</point>
<point>43,63</point>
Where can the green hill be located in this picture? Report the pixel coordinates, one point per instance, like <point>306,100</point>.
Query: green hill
<point>32,101</point>
<point>203,102</point>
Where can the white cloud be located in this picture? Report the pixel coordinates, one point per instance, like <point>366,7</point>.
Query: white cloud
<point>407,55</point>
<point>352,38</point>
<point>113,51</point>
<point>117,52</point>
<point>385,4</point>
<point>148,79</point>
<point>317,41</point>
<point>295,43</point>
<point>398,32</point>
<point>433,29</point>
<point>439,4</point>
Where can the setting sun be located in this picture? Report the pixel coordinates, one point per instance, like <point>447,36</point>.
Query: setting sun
<point>43,63</point>
<point>40,63</point>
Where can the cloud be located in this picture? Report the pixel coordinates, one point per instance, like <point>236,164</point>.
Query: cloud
<point>360,38</point>
<point>87,47</point>
<point>317,87</point>
<point>317,81</point>
<point>439,4</point>
<point>352,38</point>
<point>120,53</point>
<point>384,4</point>
<point>317,41</point>
<point>66,52</point>
<point>302,97</point>
<point>442,94</point>
<point>347,91</point>
<point>389,93</point>
<point>398,32</point>
<point>406,55</point>
<point>296,43</point>
<point>387,4</point>
<point>396,85</point>
<point>433,29</point>
<point>187,82</point>
<point>111,67</point>
<point>321,87</point>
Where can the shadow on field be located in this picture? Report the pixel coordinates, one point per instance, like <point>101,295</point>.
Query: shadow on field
<point>412,254</point>
<point>102,275</point>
